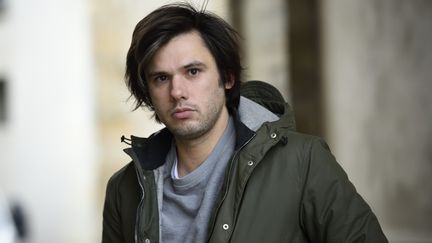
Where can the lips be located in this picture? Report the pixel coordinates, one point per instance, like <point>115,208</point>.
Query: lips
<point>182,113</point>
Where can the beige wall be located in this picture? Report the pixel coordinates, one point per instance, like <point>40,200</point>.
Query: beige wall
<point>265,43</point>
<point>377,65</point>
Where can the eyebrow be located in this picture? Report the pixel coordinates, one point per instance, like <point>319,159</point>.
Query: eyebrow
<point>193,64</point>
<point>155,73</point>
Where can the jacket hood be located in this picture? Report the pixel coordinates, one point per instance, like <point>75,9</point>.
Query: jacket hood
<point>253,115</point>
<point>261,102</point>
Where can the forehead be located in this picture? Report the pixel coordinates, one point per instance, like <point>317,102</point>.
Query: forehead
<point>181,50</point>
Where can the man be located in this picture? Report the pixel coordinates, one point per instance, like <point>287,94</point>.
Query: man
<point>225,168</point>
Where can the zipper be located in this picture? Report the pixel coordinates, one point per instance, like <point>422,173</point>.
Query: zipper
<point>226,182</point>
<point>137,220</point>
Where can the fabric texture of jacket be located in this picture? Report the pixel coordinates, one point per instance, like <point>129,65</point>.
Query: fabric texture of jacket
<point>280,186</point>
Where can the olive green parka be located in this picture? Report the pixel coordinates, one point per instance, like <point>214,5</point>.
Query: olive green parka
<point>281,186</point>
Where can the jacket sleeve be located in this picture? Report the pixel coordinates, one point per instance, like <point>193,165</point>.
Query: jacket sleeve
<point>111,231</point>
<point>331,210</point>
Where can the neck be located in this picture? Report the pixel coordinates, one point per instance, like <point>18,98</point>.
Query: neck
<point>191,153</point>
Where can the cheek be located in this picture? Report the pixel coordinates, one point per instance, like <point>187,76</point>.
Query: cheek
<point>157,100</point>
<point>156,94</point>
<point>216,96</point>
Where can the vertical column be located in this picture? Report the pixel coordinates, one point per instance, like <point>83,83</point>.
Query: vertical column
<point>305,65</point>
<point>377,70</point>
<point>263,28</point>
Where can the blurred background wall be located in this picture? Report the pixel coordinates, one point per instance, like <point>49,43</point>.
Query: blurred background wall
<point>377,71</point>
<point>357,73</point>
<point>47,132</point>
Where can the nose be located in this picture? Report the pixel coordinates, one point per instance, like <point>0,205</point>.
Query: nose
<point>178,88</point>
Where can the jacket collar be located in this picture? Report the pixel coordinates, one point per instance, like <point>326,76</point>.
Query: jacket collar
<point>151,152</point>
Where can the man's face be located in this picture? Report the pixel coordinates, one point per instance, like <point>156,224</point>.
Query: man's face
<point>185,87</point>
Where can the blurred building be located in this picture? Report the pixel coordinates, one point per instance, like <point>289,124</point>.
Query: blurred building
<point>376,68</point>
<point>357,72</point>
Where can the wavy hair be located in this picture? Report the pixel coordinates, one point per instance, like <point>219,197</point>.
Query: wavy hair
<point>160,26</point>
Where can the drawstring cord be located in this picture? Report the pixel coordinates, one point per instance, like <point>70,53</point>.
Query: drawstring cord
<point>126,140</point>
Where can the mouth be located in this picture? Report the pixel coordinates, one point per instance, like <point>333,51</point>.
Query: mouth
<point>182,112</point>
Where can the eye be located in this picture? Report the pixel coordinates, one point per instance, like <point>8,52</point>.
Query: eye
<point>193,71</point>
<point>160,78</point>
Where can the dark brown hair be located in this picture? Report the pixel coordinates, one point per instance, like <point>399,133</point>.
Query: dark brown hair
<point>160,26</point>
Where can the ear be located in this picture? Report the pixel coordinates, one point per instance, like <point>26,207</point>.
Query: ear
<point>230,83</point>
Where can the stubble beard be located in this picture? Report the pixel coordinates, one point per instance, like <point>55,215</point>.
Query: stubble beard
<point>203,123</point>
<point>197,128</point>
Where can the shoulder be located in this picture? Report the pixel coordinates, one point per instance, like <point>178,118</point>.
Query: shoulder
<point>298,138</point>
<point>304,154</point>
<point>123,173</point>
<point>314,152</point>
<point>311,146</point>
<point>124,180</point>
<point>303,144</point>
